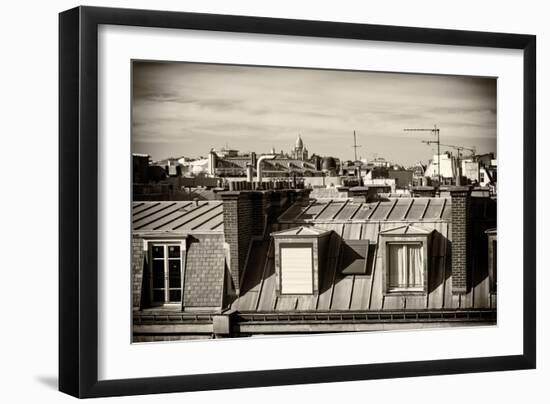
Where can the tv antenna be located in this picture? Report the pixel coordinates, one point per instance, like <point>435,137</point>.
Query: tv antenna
<point>434,131</point>
<point>355,145</point>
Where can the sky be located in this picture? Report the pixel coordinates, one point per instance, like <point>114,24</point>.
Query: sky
<point>186,109</point>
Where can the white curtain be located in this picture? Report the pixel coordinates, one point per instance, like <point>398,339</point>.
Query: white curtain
<point>415,267</point>
<point>398,266</point>
<point>405,266</point>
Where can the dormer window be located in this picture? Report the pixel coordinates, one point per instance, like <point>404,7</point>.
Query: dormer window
<point>165,272</point>
<point>405,267</point>
<point>297,259</point>
<point>405,252</point>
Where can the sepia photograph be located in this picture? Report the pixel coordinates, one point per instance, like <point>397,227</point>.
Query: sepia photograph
<point>272,201</point>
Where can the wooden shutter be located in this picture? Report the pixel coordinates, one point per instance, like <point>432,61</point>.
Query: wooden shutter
<point>296,270</point>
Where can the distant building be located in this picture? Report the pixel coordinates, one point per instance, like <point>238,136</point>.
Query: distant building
<point>380,162</point>
<point>399,179</point>
<point>299,152</point>
<point>481,170</point>
<point>194,167</point>
<point>448,168</point>
<point>378,182</point>
<point>470,170</point>
<point>295,164</point>
<point>485,159</point>
<point>140,168</point>
<point>419,178</point>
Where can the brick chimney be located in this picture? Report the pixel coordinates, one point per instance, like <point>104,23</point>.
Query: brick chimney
<point>460,201</point>
<point>246,215</point>
<point>237,223</point>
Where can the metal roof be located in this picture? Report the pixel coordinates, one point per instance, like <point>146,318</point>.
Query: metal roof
<point>350,221</point>
<point>177,216</point>
<point>390,209</point>
<point>358,292</point>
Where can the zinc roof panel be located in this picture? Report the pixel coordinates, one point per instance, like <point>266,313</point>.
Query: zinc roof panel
<point>400,209</point>
<point>330,210</point>
<point>434,209</point>
<point>417,209</point>
<point>178,215</point>
<point>382,210</point>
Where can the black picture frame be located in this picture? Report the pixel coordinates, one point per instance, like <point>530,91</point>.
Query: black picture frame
<point>78,206</point>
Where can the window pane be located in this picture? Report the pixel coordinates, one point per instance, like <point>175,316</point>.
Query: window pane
<point>158,273</point>
<point>174,274</point>
<point>398,266</point>
<point>415,273</point>
<point>173,251</point>
<point>158,295</point>
<point>158,251</point>
<point>175,295</point>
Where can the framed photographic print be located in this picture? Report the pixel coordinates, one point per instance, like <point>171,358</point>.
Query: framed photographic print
<point>250,201</point>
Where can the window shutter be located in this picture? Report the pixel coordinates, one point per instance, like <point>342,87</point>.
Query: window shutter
<point>296,270</point>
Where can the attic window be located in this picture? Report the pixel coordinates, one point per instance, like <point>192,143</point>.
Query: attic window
<point>166,273</point>
<point>300,252</point>
<point>405,253</point>
<point>406,267</point>
<point>354,257</point>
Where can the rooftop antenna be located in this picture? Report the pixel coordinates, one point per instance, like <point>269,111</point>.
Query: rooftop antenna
<point>434,131</point>
<point>355,145</point>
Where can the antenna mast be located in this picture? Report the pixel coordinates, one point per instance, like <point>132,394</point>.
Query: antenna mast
<point>355,145</point>
<point>434,131</point>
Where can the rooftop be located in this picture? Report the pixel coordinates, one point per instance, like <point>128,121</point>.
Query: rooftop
<point>386,210</point>
<point>177,216</point>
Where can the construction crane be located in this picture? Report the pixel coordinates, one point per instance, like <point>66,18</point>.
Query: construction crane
<point>434,131</point>
<point>459,149</point>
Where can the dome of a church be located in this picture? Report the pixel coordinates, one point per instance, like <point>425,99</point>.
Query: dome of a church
<point>299,143</point>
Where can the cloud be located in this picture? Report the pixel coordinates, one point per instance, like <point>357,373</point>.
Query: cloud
<point>196,107</point>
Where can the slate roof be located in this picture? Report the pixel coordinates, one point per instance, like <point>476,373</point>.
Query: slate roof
<point>177,217</point>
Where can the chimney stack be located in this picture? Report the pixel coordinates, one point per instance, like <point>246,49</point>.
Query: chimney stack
<point>246,215</point>
<point>212,162</point>
<point>253,159</point>
<point>460,207</point>
<point>237,226</point>
<point>423,191</point>
<point>249,173</point>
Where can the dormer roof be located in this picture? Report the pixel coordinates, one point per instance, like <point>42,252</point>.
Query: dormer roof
<point>302,231</point>
<point>407,229</point>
